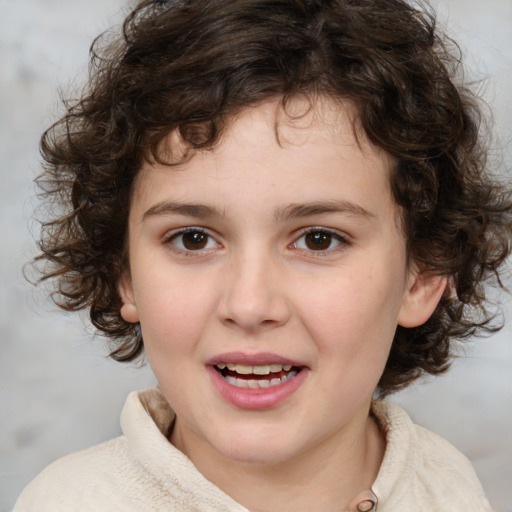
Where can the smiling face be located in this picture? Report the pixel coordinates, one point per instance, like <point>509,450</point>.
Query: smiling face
<point>268,276</point>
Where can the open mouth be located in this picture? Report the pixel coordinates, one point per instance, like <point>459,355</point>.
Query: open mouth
<point>256,377</point>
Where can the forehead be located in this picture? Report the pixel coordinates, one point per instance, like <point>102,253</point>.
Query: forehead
<point>302,148</point>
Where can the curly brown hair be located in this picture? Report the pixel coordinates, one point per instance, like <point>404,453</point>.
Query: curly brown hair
<point>190,65</point>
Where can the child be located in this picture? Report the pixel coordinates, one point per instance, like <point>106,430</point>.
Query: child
<point>285,204</point>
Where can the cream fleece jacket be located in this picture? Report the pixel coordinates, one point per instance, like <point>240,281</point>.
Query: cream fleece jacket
<point>141,471</point>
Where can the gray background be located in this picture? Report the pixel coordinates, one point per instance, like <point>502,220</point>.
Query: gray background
<point>58,392</point>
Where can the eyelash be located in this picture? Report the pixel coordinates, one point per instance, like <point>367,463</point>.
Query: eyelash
<point>171,239</point>
<point>341,240</point>
<point>329,235</point>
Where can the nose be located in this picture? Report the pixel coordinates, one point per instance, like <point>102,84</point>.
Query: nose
<point>254,297</point>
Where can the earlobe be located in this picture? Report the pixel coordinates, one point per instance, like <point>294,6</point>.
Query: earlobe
<point>421,299</point>
<point>128,310</point>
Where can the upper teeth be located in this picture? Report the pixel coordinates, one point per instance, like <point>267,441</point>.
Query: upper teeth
<point>263,369</point>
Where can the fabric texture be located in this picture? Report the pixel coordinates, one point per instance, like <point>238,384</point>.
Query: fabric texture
<point>142,471</point>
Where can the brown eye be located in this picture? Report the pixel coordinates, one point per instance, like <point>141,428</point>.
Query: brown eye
<point>193,240</point>
<point>318,240</point>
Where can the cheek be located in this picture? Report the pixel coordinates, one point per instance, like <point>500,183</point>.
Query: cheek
<point>173,312</point>
<point>354,315</point>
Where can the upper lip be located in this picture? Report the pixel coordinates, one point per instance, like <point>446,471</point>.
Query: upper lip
<point>263,358</point>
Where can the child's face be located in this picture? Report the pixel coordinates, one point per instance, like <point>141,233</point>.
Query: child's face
<point>265,251</point>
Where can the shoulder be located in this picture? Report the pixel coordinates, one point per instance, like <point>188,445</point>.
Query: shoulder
<point>110,476</point>
<point>141,470</point>
<point>421,470</point>
<point>78,481</point>
<point>107,477</point>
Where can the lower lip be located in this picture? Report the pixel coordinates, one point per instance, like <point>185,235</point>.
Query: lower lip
<point>256,399</point>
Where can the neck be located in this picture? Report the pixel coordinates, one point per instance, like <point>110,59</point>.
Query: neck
<point>325,478</point>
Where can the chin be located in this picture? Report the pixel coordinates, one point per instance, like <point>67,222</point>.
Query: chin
<point>257,456</point>
<point>258,448</point>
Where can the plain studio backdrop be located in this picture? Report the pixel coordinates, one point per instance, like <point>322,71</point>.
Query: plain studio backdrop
<point>58,391</point>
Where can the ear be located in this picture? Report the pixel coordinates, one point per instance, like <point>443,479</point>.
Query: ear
<point>421,298</point>
<point>129,310</point>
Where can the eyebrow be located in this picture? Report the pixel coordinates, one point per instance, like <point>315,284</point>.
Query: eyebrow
<point>298,210</point>
<point>292,211</point>
<point>200,211</point>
